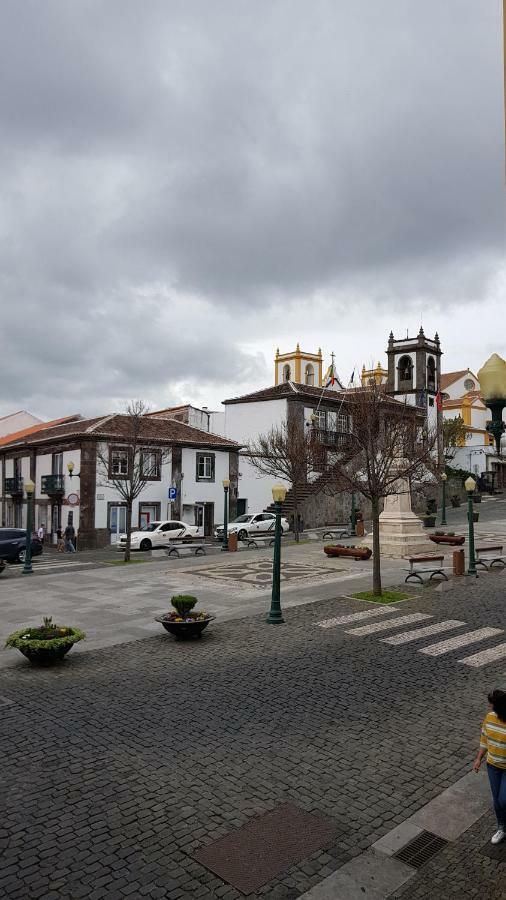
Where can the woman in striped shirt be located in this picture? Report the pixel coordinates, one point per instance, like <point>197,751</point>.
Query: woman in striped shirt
<point>493,744</point>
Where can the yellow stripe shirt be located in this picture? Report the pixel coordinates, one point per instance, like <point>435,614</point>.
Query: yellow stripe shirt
<point>493,740</point>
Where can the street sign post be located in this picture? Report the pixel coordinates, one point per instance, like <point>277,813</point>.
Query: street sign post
<point>172,493</point>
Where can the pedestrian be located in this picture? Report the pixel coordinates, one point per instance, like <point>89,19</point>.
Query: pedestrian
<point>493,744</point>
<point>70,534</point>
<point>60,546</point>
<point>41,533</point>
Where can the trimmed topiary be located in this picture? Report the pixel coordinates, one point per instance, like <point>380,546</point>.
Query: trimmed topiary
<point>183,603</point>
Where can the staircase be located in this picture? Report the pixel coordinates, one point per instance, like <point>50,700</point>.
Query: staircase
<point>316,487</point>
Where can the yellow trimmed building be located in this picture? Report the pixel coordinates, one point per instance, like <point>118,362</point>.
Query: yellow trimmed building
<point>299,366</point>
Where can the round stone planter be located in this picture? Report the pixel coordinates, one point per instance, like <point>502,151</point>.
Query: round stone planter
<point>187,628</point>
<point>333,550</point>
<point>46,656</point>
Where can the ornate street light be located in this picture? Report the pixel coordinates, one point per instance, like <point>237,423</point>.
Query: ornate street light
<point>470,486</point>
<point>492,378</point>
<point>226,485</point>
<point>275,616</point>
<point>29,488</point>
<point>444,478</point>
<point>70,469</point>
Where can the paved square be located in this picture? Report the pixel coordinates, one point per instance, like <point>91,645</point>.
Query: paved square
<point>259,573</point>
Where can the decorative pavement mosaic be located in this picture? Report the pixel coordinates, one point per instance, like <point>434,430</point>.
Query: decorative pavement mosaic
<point>259,573</point>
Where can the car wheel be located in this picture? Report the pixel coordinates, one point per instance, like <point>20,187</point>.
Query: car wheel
<point>21,554</point>
<point>243,535</point>
<point>145,545</point>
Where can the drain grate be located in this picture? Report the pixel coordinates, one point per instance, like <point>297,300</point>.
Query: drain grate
<point>421,849</point>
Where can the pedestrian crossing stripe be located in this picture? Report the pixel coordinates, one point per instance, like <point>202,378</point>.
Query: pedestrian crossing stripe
<point>470,637</point>
<point>355,617</point>
<point>437,628</point>
<point>384,626</point>
<point>485,656</point>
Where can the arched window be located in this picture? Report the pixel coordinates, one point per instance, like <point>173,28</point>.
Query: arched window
<point>309,374</point>
<point>405,369</point>
<point>286,373</point>
<point>431,374</point>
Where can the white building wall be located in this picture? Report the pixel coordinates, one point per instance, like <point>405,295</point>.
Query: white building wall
<point>255,488</point>
<point>16,422</point>
<point>245,421</point>
<point>194,491</point>
<point>153,492</point>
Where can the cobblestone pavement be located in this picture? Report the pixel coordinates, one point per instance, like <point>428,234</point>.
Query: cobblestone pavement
<point>120,763</point>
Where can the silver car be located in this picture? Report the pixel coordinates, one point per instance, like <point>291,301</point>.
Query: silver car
<point>249,526</point>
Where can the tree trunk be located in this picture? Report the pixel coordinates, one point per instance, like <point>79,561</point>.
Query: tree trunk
<point>128,531</point>
<point>376,561</point>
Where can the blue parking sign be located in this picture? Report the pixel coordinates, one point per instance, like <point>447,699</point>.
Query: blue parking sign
<point>172,493</point>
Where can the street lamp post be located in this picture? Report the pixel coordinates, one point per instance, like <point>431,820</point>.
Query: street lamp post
<point>226,485</point>
<point>275,616</point>
<point>444,477</point>
<point>470,486</point>
<point>492,378</point>
<point>27,567</point>
<point>353,516</point>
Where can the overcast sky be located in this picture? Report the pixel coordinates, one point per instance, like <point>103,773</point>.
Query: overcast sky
<point>185,186</point>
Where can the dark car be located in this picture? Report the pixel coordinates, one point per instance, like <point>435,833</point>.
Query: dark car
<point>13,544</point>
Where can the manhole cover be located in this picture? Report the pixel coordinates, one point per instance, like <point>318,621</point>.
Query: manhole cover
<point>421,849</point>
<point>266,846</point>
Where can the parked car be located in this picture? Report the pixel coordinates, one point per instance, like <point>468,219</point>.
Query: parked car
<point>249,526</point>
<point>13,544</point>
<point>158,534</point>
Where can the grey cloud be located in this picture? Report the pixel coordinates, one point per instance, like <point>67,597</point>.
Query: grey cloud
<point>168,168</point>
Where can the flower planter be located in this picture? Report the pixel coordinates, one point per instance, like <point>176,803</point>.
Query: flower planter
<point>454,541</point>
<point>39,645</point>
<point>190,627</point>
<point>476,517</point>
<point>356,553</point>
<point>429,521</point>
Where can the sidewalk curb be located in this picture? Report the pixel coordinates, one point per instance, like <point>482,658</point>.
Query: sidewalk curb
<point>375,874</point>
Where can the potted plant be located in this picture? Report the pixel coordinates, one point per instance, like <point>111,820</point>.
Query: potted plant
<point>47,643</point>
<point>454,540</point>
<point>182,621</point>
<point>455,500</point>
<point>351,551</point>
<point>476,517</point>
<point>429,521</point>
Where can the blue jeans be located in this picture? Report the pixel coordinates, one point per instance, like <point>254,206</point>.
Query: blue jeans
<point>497,778</point>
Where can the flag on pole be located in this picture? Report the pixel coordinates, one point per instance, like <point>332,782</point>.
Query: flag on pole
<point>439,402</point>
<point>352,379</point>
<point>331,378</point>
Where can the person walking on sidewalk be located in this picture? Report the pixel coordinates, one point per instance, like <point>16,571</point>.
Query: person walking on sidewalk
<point>493,744</point>
<point>70,536</point>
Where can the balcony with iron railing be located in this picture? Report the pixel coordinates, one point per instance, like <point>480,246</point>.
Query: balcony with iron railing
<point>14,486</point>
<point>331,438</point>
<point>54,485</point>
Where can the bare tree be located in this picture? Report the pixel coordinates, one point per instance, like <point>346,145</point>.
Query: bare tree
<point>286,452</point>
<point>387,441</point>
<point>454,436</point>
<point>128,462</point>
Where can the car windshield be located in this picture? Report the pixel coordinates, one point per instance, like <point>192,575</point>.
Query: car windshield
<point>150,526</point>
<point>241,519</point>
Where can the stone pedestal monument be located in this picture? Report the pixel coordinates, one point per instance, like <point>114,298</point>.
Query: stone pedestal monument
<point>401,531</point>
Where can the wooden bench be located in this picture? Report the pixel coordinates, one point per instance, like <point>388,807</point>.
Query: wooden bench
<point>186,549</point>
<point>496,557</point>
<point>416,571</point>
<point>337,531</point>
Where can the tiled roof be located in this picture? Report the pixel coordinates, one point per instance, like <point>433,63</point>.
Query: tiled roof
<point>288,390</point>
<point>35,429</point>
<point>115,426</point>
<point>448,378</point>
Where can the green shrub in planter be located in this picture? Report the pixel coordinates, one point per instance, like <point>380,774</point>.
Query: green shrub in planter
<point>183,603</point>
<point>46,643</point>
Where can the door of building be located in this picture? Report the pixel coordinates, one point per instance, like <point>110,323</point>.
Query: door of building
<point>241,506</point>
<point>208,518</point>
<point>147,514</point>
<point>117,522</point>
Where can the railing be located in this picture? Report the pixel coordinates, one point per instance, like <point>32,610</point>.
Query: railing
<point>331,438</point>
<point>14,485</point>
<point>52,484</point>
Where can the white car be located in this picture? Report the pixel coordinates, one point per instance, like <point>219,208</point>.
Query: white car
<point>158,534</point>
<point>248,526</point>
